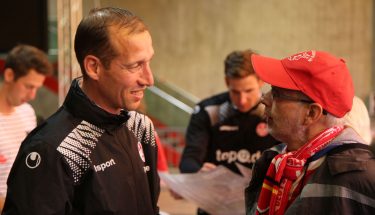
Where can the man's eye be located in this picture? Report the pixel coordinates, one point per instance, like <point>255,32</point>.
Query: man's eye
<point>134,67</point>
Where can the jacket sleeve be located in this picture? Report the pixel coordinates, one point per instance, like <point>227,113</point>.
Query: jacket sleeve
<point>197,142</point>
<point>151,153</point>
<point>40,182</point>
<point>144,130</point>
<point>258,175</point>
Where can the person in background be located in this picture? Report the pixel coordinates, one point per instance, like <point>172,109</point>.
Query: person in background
<point>358,118</point>
<point>25,70</point>
<point>96,154</point>
<point>323,166</point>
<point>228,128</point>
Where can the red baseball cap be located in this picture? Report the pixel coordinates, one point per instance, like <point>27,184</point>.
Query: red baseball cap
<point>319,75</point>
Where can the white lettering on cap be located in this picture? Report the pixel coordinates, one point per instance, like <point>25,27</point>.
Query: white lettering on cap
<point>303,55</point>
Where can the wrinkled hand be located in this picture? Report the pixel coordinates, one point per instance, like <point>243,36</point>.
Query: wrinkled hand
<point>207,167</point>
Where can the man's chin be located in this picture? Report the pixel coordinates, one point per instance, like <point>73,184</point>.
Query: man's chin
<point>243,110</point>
<point>16,104</point>
<point>133,106</point>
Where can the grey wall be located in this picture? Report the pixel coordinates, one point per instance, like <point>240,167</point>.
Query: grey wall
<point>191,38</point>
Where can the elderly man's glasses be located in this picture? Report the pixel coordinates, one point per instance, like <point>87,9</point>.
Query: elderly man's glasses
<point>278,94</point>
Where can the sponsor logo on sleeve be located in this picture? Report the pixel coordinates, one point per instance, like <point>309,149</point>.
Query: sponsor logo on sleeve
<point>33,160</point>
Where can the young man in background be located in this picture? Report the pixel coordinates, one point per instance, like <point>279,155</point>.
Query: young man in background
<point>25,70</point>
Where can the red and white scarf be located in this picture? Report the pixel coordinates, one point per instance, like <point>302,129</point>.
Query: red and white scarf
<point>285,169</point>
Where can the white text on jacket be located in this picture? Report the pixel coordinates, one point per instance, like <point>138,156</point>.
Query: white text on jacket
<point>103,166</point>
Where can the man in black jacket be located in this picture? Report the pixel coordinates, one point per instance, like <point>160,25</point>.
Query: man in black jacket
<point>95,155</point>
<point>324,167</point>
<point>228,128</point>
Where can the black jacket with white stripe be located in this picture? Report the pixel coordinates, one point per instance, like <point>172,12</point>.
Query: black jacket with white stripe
<point>84,160</point>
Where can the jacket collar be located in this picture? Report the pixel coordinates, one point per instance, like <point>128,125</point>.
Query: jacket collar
<point>80,106</point>
<point>352,155</point>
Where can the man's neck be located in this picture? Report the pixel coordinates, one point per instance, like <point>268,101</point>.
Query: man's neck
<point>310,133</point>
<point>91,92</point>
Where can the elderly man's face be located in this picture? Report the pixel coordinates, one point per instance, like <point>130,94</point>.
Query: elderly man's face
<point>285,113</point>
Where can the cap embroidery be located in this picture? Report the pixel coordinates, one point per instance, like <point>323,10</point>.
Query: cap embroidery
<point>303,55</point>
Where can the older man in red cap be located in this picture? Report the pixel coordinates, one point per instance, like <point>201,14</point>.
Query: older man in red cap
<point>324,167</point>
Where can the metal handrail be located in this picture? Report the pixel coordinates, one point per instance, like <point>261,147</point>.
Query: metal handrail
<point>171,99</point>
<point>180,91</point>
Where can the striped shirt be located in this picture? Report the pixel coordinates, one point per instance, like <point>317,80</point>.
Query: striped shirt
<point>13,130</point>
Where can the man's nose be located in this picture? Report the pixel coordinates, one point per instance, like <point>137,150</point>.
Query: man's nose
<point>32,94</point>
<point>243,99</point>
<point>147,76</point>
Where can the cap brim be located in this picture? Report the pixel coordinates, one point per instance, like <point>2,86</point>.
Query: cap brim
<point>272,71</point>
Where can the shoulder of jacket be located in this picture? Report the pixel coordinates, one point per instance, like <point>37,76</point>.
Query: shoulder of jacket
<point>350,157</point>
<point>142,127</point>
<point>135,116</point>
<point>211,105</point>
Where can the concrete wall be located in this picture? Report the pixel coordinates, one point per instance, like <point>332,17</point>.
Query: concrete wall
<point>192,37</point>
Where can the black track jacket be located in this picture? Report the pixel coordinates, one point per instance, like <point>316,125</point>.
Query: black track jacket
<point>220,134</point>
<point>84,160</point>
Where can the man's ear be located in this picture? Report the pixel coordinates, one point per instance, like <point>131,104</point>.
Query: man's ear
<point>314,113</point>
<point>8,75</point>
<point>92,66</point>
<point>227,81</point>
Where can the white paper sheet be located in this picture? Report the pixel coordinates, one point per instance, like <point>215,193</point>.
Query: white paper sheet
<point>219,192</point>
